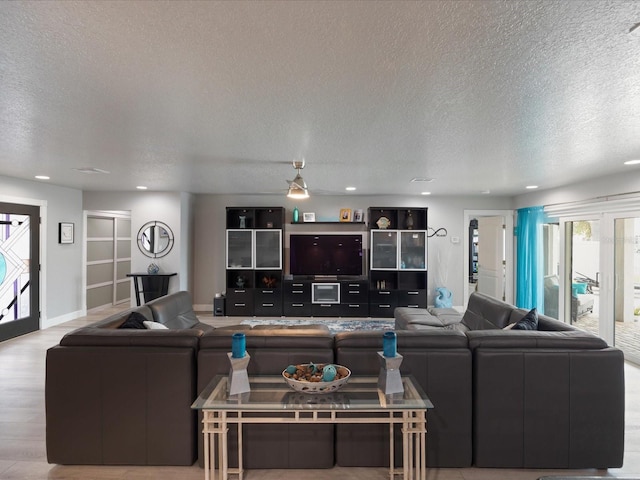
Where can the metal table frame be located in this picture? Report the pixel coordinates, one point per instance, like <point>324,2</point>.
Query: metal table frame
<point>217,420</point>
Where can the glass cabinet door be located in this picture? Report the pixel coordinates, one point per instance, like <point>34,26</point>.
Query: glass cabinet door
<point>413,250</point>
<point>268,249</point>
<point>384,249</point>
<point>239,249</point>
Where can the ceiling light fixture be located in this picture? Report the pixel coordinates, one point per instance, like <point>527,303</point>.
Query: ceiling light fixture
<point>425,193</point>
<point>297,187</point>
<point>350,189</point>
<point>141,187</point>
<point>632,162</point>
<point>42,177</point>
<point>531,187</point>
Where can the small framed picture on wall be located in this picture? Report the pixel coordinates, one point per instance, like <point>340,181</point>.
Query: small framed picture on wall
<point>65,232</point>
<point>358,215</point>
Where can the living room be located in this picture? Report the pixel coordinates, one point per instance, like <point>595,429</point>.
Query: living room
<point>461,179</point>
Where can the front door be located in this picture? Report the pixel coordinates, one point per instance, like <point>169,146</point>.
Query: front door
<point>19,269</point>
<point>491,256</point>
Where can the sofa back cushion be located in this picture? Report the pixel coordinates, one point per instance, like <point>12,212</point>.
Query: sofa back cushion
<point>175,311</point>
<point>486,313</point>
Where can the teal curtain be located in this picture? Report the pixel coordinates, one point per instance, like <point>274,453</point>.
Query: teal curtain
<point>529,264</point>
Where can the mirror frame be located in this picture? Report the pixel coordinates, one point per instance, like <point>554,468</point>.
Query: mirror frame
<point>141,236</point>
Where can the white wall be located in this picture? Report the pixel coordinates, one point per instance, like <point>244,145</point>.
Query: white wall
<point>61,283</point>
<point>444,211</point>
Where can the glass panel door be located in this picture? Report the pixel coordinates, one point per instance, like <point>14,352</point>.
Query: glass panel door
<point>584,289</point>
<point>626,301</point>
<point>240,249</point>
<point>19,269</point>
<point>413,250</point>
<point>269,249</point>
<point>384,249</point>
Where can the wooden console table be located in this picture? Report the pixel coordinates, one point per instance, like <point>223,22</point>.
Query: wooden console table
<point>272,401</point>
<point>151,286</point>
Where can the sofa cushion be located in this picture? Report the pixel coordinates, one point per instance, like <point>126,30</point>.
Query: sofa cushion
<point>135,320</point>
<point>528,322</point>
<point>486,313</point>
<point>154,326</point>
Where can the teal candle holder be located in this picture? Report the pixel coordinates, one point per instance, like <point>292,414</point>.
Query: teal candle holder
<point>389,378</point>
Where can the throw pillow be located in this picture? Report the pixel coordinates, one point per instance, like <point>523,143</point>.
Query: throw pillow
<point>134,320</point>
<point>154,326</point>
<point>528,322</point>
<point>580,288</point>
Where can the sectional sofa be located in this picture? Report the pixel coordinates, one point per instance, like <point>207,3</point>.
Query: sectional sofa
<point>552,398</point>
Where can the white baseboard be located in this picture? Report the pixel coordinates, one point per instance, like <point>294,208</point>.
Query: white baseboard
<point>52,322</point>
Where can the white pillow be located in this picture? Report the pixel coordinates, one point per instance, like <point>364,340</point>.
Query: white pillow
<point>154,325</point>
<point>508,327</point>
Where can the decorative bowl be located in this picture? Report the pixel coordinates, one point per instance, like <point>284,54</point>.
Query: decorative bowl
<point>318,386</point>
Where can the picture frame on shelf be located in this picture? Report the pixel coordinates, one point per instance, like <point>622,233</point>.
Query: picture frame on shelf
<point>358,215</point>
<point>345,214</point>
<point>308,217</point>
<point>65,232</point>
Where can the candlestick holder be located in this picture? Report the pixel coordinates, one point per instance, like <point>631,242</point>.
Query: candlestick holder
<point>238,377</point>
<point>389,379</point>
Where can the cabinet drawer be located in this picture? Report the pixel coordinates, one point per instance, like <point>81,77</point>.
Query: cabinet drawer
<point>384,310</point>
<point>268,308</point>
<point>325,309</point>
<point>237,307</point>
<point>355,310</point>
<point>297,309</point>
<point>412,298</point>
<point>383,296</point>
<point>354,292</point>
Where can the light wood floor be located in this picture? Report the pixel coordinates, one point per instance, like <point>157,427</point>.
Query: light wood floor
<point>22,428</point>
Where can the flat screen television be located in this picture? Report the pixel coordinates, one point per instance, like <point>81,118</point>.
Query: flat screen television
<point>325,254</point>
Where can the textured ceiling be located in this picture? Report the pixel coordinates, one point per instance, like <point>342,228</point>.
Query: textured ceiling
<point>220,97</point>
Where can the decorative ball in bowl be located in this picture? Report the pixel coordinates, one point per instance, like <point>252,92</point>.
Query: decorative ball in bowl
<point>316,377</point>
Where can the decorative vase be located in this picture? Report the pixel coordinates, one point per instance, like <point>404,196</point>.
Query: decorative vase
<point>243,221</point>
<point>409,220</point>
<point>296,215</point>
<point>153,269</point>
<point>444,298</point>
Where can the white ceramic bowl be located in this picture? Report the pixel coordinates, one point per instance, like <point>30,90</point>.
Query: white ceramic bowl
<point>317,387</point>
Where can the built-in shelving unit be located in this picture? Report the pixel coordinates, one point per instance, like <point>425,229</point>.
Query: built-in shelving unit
<point>397,260</point>
<point>254,261</point>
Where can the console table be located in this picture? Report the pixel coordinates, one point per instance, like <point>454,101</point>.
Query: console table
<point>151,286</point>
<point>272,401</point>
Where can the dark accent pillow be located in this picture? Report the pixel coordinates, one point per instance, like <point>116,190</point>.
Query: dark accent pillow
<point>134,320</point>
<point>528,322</point>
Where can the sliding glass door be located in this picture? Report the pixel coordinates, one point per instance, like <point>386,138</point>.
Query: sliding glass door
<point>19,269</point>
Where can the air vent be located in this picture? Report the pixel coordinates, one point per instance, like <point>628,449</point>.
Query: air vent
<point>421,180</point>
<point>90,170</point>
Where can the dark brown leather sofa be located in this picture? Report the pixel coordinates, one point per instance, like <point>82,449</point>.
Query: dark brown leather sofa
<point>122,396</point>
<point>550,398</point>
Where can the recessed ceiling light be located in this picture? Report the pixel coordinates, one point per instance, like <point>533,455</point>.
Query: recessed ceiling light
<point>485,192</point>
<point>141,187</point>
<point>531,187</point>
<point>421,180</point>
<point>632,162</point>
<point>42,177</point>
<point>350,189</point>
<point>425,193</point>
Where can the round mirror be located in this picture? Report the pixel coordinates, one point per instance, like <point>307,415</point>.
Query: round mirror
<point>155,239</point>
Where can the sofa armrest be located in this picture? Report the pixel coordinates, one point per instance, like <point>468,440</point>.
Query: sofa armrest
<point>534,339</point>
<point>102,337</point>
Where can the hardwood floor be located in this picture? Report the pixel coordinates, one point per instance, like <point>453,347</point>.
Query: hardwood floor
<point>22,428</point>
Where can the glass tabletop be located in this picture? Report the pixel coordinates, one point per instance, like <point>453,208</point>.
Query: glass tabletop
<point>273,393</point>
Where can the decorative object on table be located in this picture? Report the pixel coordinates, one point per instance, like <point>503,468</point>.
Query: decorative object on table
<point>358,215</point>
<point>383,223</point>
<point>243,221</point>
<point>269,281</point>
<point>389,379</point>
<point>296,215</point>
<point>345,214</point>
<point>309,217</point>
<point>239,359</point>
<point>444,298</point>
<point>240,281</point>
<point>315,378</point>
<point>408,221</point>
<point>65,232</point>
<point>153,269</point>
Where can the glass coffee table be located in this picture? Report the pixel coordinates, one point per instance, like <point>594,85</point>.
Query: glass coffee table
<point>271,400</point>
